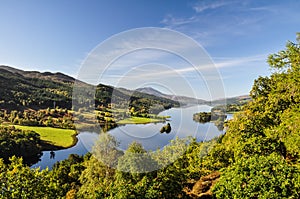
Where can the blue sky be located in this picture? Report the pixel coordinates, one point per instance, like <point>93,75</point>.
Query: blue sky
<point>238,35</point>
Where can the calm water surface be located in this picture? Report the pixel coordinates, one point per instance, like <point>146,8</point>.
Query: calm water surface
<point>148,135</point>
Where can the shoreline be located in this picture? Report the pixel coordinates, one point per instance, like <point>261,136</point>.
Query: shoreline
<point>52,147</point>
<point>53,138</point>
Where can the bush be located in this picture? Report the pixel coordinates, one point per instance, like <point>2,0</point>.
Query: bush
<point>259,177</point>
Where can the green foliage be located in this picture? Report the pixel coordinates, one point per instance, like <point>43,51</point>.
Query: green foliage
<point>217,116</point>
<point>67,172</point>
<point>136,160</point>
<point>264,137</point>
<point>231,107</point>
<point>58,118</point>
<point>19,181</point>
<point>218,157</point>
<point>202,117</point>
<point>99,175</point>
<point>133,177</point>
<point>259,177</point>
<point>19,143</point>
<point>52,138</point>
<point>20,90</point>
<point>139,174</point>
<point>167,128</point>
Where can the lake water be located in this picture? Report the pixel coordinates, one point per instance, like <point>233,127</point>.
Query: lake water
<point>84,144</point>
<point>148,135</point>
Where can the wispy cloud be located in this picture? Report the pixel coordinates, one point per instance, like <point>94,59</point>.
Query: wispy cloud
<point>225,19</point>
<point>226,62</point>
<point>157,71</point>
<point>181,76</point>
<point>171,21</point>
<point>207,5</point>
<point>263,9</point>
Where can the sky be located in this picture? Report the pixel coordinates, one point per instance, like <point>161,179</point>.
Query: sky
<point>235,36</point>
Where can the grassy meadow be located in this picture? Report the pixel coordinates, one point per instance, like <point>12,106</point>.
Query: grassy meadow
<point>140,120</point>
<point>63,138</point>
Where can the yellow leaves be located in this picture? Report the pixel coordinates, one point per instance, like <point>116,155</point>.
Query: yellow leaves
<point>15,170</point>
<point>242,126</point>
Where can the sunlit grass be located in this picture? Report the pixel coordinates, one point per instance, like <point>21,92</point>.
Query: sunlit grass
<point>55,136</point>
<point>140,120</point>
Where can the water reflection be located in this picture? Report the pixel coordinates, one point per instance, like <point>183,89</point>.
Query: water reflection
<point>182,125</point>
<point>149,135</point>
<point>52,155</point>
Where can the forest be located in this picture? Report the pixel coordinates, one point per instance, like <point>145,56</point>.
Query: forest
<point>257,157</point>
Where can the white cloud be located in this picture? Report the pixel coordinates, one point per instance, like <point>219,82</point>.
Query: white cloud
<point>171,21</point>
<point>212,28</point>
<point>153,71</point>
<point>206,5</point>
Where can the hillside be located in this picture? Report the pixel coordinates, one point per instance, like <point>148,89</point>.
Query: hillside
<point>57,77</point>
<point>183,100</point>
<point>21,90</point>
<point>232,100</point>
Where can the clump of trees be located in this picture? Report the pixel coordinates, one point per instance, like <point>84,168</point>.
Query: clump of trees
<point>259,176</point>
<point>58,117</point>
<point>230,108</point>
<point>204,117</point>
<point>263,141</point>
<point>167,128</point>
<point>26,144</point>
<point>216,116</point>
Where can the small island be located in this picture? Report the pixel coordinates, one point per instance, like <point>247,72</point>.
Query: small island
<point>204,117</point>
<point>218,118</point>
<point>167,128</point>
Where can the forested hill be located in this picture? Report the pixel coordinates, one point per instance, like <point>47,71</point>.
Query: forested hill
<point>56,77</point>
<point>21,90</point>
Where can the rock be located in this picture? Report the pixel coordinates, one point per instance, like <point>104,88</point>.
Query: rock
<point>202,188</point>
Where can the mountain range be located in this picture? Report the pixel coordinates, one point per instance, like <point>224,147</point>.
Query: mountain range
<point>179,98</point>
<point>21,90</point>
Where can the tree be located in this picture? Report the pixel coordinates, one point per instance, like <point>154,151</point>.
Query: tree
<point>99,174</point>
<point>135,173</point>
<point>19,181</point>
<point>264,137</point>
<point>259,177</point>
<point>67,172</point>
<point>19,143</point>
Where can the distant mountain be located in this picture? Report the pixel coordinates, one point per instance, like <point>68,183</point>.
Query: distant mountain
<point>184,100</point>
<point>191,101</point>
<point>152,91</point>
<point>21,90</point>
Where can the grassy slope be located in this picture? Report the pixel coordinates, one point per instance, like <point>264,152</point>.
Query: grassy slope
<point>62,138</point>
<point>139,120</point>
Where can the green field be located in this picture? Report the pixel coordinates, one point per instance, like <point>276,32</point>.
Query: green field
<point>63,138</point>
<point>140,120</point>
